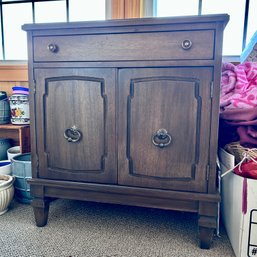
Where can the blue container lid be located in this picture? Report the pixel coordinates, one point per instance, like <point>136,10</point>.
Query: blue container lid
<point>20,88</point>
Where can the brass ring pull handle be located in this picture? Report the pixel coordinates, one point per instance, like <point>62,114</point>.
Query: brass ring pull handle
<point>53,48</point>
<point>186,44</point>
<point>161,138</point>
<point>72,134</point>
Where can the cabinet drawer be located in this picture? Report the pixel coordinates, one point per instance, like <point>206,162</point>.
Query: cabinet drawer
<point>172,45</point>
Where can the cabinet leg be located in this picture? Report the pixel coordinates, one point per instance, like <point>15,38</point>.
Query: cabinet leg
<point>205,236</point>
<point>207,226</point>
<point>41,209</point>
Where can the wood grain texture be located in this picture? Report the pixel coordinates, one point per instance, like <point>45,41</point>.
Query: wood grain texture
<point>118,9</point>
<point>120,82</point>
<point>177,100</point>
<point>7,85</point>
<point>81,98</point>
<point>127,46</point>
<point>19,134</point>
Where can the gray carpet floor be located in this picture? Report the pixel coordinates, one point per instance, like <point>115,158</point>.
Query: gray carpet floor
<point>86,229</point>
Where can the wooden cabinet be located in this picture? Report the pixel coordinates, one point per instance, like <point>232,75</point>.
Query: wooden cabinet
<point>126,112</point>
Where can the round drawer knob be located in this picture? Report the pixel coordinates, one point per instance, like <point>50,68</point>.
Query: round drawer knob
<point>186,44</point>
<point>53,48</point>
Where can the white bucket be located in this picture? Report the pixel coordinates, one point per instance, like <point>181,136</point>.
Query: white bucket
<point>13,151</point>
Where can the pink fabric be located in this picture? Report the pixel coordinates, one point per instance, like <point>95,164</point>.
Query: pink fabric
<point>239,114</point>
<point>238,85</point>
<point>245,123</point>
<point>247,136</point>
<point>238,100</point>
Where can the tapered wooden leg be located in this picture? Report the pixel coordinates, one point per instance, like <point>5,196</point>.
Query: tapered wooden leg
<point>207,226</point>
<point>41,210</point>
<point>207,222</point>
<point>205,236</point>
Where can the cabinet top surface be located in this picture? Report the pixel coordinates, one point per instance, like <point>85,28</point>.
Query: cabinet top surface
<point>223,18</point>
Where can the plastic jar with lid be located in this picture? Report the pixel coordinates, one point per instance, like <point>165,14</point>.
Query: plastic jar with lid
<point>19,104</point>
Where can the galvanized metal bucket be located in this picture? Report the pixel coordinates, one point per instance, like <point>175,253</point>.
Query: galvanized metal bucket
<point>21,169</point>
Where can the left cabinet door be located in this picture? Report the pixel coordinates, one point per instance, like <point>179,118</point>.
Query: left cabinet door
<point>75,124</point>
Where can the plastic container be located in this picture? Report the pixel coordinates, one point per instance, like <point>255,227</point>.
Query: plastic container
<point>19,104</point>
<point>5,144</point>
<point>20,90</point>
<point>13,151</point>
<point>5,167</point>
<point>6,192</point>
<point>21,170</point>
<point>5,112</point>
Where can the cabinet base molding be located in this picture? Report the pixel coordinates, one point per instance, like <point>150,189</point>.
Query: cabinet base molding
<point>205,205</point>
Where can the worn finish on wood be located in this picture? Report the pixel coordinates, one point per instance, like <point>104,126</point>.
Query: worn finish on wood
<point>126,112</point>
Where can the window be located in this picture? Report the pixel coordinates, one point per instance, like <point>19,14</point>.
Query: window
<point>15,13</point>
<point>79,10</point>
<point>177,8</point>
<point>233,34</point>
<point>238,31</point>
<point>56,11</point>
<point>14,38</point>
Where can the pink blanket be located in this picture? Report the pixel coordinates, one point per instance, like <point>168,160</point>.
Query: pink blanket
<point>238,101</point>
<point>238,85</point>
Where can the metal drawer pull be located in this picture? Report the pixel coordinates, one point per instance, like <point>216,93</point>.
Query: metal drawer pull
<point>161,138</point>
<point>186,44</point>
<point>72,134</point>
<point>53,48</point>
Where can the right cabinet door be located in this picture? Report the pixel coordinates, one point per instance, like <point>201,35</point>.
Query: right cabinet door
<point>164,127</point>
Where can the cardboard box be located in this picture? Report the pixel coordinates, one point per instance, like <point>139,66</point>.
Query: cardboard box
<point>241,228</point>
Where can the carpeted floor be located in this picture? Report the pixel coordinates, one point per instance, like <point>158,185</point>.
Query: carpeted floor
<point>85,229</point>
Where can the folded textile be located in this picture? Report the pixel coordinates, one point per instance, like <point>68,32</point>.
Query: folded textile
<point>239,114</point>
<point>244,122</point>
<point>238,102</point>
<point>238,85</point>
<point>247,136</point>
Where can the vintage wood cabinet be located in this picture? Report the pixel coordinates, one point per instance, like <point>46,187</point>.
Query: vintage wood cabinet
<point>126,112</point>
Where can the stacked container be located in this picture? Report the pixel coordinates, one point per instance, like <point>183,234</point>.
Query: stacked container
<point>4,108</point>
<point>19,103</point>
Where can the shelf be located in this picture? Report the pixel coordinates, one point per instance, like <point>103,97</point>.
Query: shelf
<point>20,135</point>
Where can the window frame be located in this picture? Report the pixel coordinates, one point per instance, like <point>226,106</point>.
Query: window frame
<point>231,58</point>
<point>118,9</point>
<point>2,29</point>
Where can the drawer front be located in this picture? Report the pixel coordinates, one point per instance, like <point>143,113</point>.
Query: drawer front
<point>126,47</point>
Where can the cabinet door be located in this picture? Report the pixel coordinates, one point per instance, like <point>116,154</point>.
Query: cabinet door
<point>164,127</point>
<point>75,124</point>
